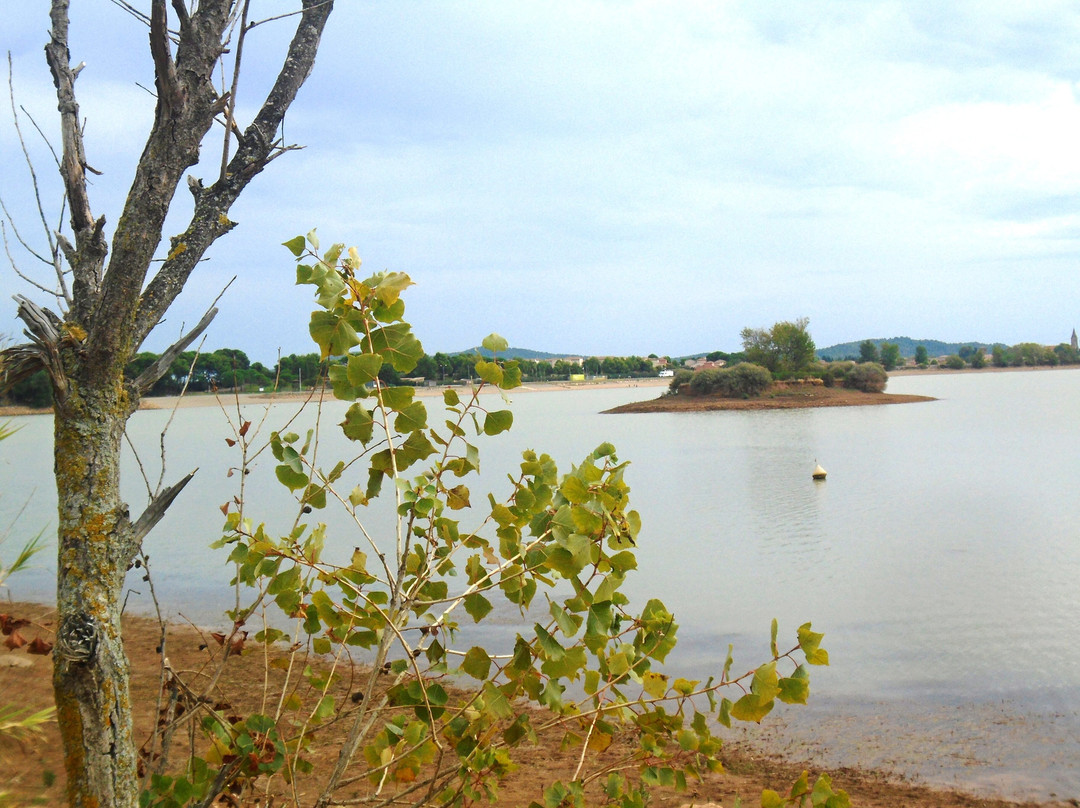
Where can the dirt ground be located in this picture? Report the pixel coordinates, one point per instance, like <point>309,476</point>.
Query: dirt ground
<point>33,768</point>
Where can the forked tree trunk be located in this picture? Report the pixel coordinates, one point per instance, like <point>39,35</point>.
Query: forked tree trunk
<point>109,312</point>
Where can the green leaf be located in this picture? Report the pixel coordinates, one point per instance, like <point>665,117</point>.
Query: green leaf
<point>498,421</point>
<point>457,498</point>
<point>810,642</point>
<point>765,682</point>
<point>397,345</point>
<point>295,245</point>
<point>477,606</point>
<point>358,424</point>
<point>685,687</point>
<point>315,496</point>
<point>575,490</point>
<point>770,799</point>
<point>412,418</point>
<point>655,684</point>
<point>363,368</point>
<point>495,343</point>
<point>795,689</point>
<point>477,663</point>
<point>489,372</point>
<point>549,647</point>
<point>390,287</point>
<point>724,716</point>
<point>751,707</point>
<point>332,332</point>
<point>772,646</point>
<point>397,398</point>
<point>293,480</point>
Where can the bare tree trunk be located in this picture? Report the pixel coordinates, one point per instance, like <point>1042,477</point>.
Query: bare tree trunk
<point>90,673</point>
<point>112,309</point>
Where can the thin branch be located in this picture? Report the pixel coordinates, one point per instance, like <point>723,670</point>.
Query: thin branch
<point>90,246</point>
<point>230,123</point>
<point>257,23</point>
<point>148,377</point>
<point>44,139</point>
<point>11,258</point>
<point>176,406</point>
<point>156,510</point>
<point>63,295</point>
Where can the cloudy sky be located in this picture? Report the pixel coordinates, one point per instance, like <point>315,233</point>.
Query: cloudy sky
<point>612,177</point>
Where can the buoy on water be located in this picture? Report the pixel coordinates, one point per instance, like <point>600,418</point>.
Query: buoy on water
<point>819,473</point>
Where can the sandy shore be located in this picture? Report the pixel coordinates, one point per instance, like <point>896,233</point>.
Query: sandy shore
<point>232,399</point>
<point>33,771</point>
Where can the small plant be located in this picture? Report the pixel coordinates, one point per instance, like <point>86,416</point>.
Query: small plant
<point>555,547</point>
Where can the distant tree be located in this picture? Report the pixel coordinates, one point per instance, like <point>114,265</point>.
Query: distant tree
<point>33,391</point>
<point>427,368</point>
<point>978,359</point>
<point>955,362</point>
<point>890,355</point>
<point>998,357</point>
<point>1066,354</point>
<point>966,352</point>
<point>868,351</point>
<point>785,348</point>
<point>922,359</point>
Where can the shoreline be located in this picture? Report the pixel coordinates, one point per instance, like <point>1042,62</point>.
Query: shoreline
<point>754,757</point>
<point>229,399</point>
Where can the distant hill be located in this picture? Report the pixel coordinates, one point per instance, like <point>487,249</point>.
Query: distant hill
<point>907,347</point>
<point>515,353</point>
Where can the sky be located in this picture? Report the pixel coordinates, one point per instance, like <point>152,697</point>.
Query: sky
<point>595,177</point>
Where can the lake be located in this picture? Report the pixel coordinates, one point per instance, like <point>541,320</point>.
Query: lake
<point>941,558</point>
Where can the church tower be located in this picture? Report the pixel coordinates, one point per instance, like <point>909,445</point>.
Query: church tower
<point>1073,340</point>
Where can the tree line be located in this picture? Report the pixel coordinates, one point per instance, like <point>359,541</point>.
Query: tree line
<point>230,370</point>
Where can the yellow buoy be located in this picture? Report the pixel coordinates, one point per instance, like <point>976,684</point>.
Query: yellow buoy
<point>819,473</point>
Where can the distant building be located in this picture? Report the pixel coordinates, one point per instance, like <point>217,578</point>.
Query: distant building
<point>1072,342</point>
<point>702,364</point>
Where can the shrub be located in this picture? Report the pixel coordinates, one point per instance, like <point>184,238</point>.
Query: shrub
<point>680,378</point>
<point>835,372</point>
<point>870,377</point>
<point>745,380</point>
<point>954,362</point>
<point>708,381</point>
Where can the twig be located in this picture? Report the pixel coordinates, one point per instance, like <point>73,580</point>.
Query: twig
<point>231,105</point>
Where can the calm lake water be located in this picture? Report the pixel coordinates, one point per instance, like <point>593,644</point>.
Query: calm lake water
<point>941,558</point>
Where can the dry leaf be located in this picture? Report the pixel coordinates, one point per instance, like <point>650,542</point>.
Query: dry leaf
<point>39,646</point>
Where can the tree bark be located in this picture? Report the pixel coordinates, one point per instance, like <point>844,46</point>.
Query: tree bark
<point>90,671</point>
